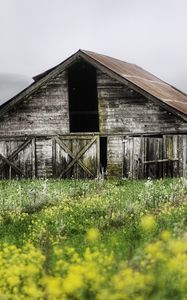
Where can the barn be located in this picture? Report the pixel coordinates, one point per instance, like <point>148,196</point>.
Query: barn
<point>93,114</point>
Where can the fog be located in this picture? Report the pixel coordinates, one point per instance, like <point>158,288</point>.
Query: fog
<point>36,35</point>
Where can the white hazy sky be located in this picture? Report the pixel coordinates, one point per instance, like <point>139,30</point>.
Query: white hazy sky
<point>38,34</point>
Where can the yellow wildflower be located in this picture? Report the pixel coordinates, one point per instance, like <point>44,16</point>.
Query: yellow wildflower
<point>92,234</point>
<point>53,287</point>
<point>73,281</point>
<point>147,222</point>
<point>13,280</point>
<point>165,235</point>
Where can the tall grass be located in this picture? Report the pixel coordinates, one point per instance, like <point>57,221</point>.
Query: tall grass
<point>94,239</point>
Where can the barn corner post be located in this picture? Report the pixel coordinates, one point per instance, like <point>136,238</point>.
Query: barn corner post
<point>94,114</point>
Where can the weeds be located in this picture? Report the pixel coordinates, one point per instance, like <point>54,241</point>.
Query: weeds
<point>93,239</point>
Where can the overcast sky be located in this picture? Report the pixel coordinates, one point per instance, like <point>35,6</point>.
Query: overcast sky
<point>38,34</point>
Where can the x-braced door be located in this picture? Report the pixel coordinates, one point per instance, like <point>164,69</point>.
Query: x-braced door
<point>75,156</point>
<point>17,158</point>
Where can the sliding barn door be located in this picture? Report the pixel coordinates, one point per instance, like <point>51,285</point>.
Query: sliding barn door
<point>45,157</point>
<point>75,156</point>
<point>153,156</point>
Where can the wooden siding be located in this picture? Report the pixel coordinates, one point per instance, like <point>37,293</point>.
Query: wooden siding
<point>71,156</point>
<point>16,158</point>
<point>115,156</point>
<point>44,112</point>
<point>155,157</point>
<point>45,157</point>
<point>75,156</point>
<point>35,140</point>
<point>123,110</point>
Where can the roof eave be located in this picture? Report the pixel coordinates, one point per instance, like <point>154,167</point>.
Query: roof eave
<point>37,84</point>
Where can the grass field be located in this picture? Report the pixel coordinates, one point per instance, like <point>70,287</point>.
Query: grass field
<point>104,240</point>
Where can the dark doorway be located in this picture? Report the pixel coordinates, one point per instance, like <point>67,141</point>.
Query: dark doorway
<point>83,103</point>
<point>103,154</point>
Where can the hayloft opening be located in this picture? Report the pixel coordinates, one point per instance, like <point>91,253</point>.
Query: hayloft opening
<point>83,103</point>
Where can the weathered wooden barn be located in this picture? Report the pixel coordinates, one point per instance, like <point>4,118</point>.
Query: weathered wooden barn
<point>94,113</point>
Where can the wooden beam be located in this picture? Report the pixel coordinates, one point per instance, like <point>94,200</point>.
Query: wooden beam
<point>64,147</point>
<point>87,135</point>
<point>159,161</point>
<point>8,162</point>
<point>15,152</point>
<point>19,149</point>
<point>75,157</point>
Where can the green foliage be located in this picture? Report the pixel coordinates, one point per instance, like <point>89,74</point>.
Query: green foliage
<point>93,239</point>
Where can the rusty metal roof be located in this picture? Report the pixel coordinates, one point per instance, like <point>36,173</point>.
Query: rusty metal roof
<point>144,80</point>
<point>167,95</point>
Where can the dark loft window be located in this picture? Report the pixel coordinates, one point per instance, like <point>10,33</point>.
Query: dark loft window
<point>83,104</point>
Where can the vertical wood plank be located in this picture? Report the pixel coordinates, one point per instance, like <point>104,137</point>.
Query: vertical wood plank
<point>125,158</point>
<point>180,154</point>
<point>131,148</point>
<point>10,172</point>
<point>175,156</point>
<point>33,158</point>
<point>184,156</point>
<point>141,158</point>
<point>136,157</point>
<point>164,156</point>
<point>54,156</point>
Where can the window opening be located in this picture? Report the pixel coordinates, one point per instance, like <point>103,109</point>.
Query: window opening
<point>83,102</point>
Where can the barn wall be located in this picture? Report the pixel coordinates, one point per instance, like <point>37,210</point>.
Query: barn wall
<point>155,157</point>
<point>123,115</point>
<point>115,156</point>
<point>44,112</point>
<point>17,158</point>
<point>124,110</point>
<point>181,141</point>
<point>43,157</point>
<point>46,157</point>
<point>121,110</point>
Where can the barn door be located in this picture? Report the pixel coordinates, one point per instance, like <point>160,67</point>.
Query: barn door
<point>161,156</point>
<point>153,156</point>
<point>133,162</point>
<point>75,156</point>
<point>16,158</point>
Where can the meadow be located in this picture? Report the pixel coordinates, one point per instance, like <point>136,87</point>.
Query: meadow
<point>97,239</point>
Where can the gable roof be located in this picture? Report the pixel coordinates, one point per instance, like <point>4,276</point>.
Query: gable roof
<point>135,77</point>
